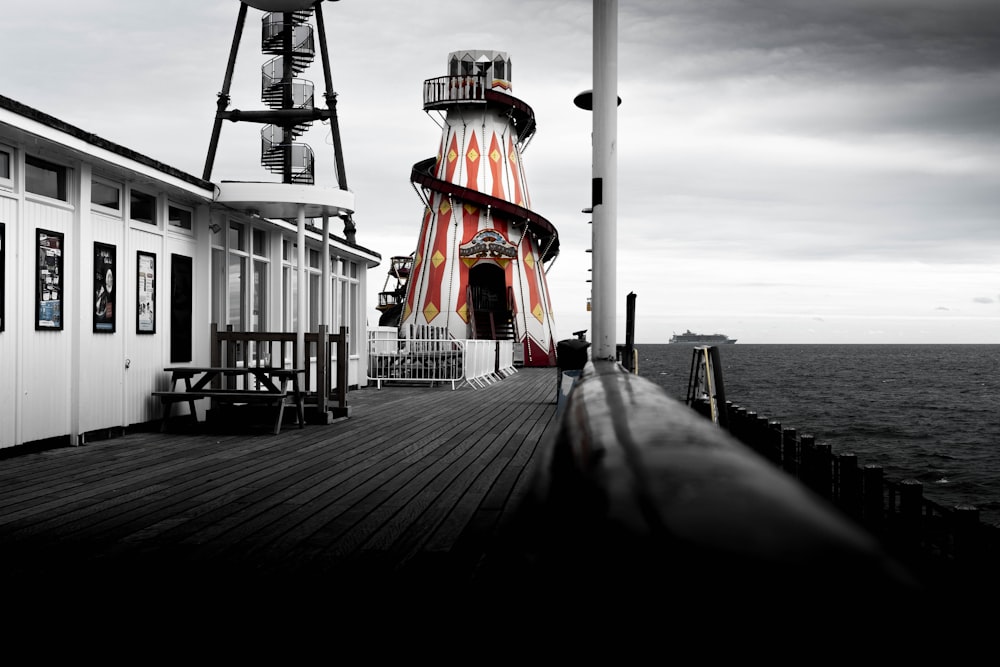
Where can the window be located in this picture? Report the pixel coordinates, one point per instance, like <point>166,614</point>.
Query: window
<point>44,178</point>
<point>498,69</point>
<point>259,321</point>
<point>237,292</point>
<point>468,66</point>
<point>260,243</point>
<point>106,195</point>
<point>237,237</point>
<point>6,158</point>
<point>143,208</point>
<point>178,217</point>
<point>237,278</point>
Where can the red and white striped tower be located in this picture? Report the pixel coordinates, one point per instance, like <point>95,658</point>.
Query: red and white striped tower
<point>479,266</point>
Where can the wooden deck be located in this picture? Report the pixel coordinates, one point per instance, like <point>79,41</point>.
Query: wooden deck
<point>407,493</point>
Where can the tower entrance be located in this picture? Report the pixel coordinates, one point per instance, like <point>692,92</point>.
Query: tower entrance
<point>492,314</point>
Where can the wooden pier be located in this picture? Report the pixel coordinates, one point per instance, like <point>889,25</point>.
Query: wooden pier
<point>409,509</point>
<point>404,495</point>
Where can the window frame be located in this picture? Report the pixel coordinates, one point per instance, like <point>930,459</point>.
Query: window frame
<point>174,206</point>
<point>7,182</point>
<point>133,194</point>
<point>62,178</point>
<point>120,187</point>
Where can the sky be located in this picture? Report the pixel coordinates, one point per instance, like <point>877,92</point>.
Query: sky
<point>788,172</point>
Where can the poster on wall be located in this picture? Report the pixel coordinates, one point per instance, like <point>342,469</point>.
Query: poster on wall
<point>145,295</point>
<point>104,288</point>
<point>3,272</point>
<point>49,286</point>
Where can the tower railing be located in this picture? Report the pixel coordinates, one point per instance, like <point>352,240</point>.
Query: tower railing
<point>469,87</point>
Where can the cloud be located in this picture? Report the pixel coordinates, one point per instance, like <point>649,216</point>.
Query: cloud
<point>982,299</point>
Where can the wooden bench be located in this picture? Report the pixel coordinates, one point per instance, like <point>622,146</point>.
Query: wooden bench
<point>230,397</point>
<point>265,393</point>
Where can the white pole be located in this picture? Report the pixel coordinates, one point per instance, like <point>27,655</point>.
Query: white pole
<point>605,183</point>
<point>325,316</point>
<point>300,330</point>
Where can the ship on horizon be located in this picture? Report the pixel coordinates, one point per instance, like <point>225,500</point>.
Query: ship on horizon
<point>699,339</point>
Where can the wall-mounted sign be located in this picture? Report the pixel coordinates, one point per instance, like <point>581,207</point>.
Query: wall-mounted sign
<point>145,295</point>
<point>105,273</point>
<point>49,285</point>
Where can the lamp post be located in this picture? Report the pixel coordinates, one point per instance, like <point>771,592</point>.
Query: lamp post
<point>603,101</point>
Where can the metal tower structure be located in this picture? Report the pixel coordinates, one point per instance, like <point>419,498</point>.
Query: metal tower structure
<point>288,36</point>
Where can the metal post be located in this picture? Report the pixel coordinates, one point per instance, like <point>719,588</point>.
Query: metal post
<point>605,178</point>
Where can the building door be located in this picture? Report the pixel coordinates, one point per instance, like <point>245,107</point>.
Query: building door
<point>488,295</point>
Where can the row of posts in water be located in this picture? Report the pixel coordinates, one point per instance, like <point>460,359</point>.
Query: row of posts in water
<point>937,541</point>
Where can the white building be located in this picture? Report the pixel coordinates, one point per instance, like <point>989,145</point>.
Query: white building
<point>81,350</point>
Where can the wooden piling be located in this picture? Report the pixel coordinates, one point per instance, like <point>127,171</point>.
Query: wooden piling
<point>774,442</point>
<point>824,470</point>
<point>848,483</point>
<point>911,510</point>
<point>873,490</point>
<point>789,451</point>
<point>807,460</point>
<point>966,529</point>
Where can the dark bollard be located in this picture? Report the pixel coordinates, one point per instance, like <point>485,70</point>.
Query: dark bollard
<point>789,451</point>
<point>760,435</point>
<point>873,489</point>
<point>774,442</point>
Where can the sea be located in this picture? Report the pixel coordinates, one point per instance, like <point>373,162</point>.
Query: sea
<point>924,412</point>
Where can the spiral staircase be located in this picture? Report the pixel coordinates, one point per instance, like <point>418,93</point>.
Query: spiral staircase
<point>289,38</point>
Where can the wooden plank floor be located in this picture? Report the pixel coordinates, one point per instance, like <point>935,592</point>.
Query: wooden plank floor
<point>407,491</point>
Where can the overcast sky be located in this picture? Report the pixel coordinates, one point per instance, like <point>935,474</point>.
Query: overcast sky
<point>789,171</point>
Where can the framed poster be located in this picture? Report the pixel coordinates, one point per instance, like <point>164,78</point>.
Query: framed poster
<point>145,293</point>
<point>49,287</point>
<point>3,270</point>
<point>104,288</point>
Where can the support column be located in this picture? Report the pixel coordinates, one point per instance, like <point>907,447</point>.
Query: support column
<point>325,315</point>
<point>300,330</point>
<point>605,179</point>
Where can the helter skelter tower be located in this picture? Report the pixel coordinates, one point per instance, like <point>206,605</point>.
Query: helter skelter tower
<point>479,266</point>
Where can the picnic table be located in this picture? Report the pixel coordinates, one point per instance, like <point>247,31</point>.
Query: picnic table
<point>233,385</point>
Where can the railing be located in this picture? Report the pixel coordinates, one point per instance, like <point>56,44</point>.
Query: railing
<point>467,87</point>
<point>505,357</point>
<point>434,357</point>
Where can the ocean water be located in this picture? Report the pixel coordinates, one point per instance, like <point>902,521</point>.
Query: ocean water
<point>924,412</point>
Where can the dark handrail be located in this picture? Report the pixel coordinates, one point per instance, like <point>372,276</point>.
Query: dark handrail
<point>638,496</point>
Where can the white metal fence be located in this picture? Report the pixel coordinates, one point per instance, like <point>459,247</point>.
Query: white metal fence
<point>431,356</point>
